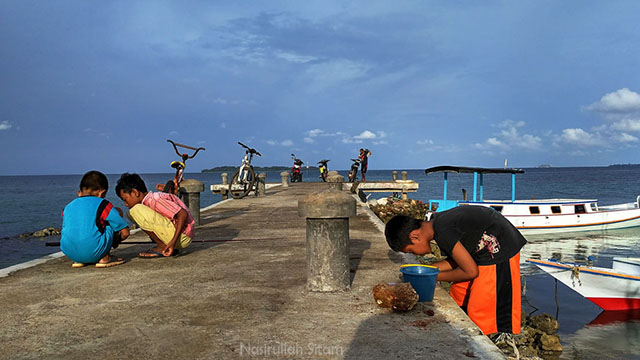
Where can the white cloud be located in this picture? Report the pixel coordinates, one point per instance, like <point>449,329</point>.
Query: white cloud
<point>295,58</point>
<point>308,140</point>
<point>223,125</point>
<point>424,142</point>
<point>495,142</point>
<point>619,101</point>
<point>627,125</point>
<point>285,142</point>
<point>578,136</point>
<point>510,137</point>
<point>621,110</point>
<point>626,138</point>
<point>366,135</point>
<point>5,125</point>
<point>315,132</point>
<point>334,73</point>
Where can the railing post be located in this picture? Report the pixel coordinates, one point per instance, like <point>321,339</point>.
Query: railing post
<point>190,190</point>
<point>225,181</point>
<point>285,178</point>
<point>404,175</point>
<point>335,181</point>
<point>261,186</point>
<point>394,175</point>
<point>327,216</point>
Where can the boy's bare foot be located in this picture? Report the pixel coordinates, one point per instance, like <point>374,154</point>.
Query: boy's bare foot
<point>77,265</point>
<point>109,261</point>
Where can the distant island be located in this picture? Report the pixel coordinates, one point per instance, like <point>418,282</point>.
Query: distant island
<point>232,169</point>
<point>623,165</point>
<point>544,166</point>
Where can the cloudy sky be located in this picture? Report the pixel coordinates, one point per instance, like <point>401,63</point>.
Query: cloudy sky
<point>102,84</point>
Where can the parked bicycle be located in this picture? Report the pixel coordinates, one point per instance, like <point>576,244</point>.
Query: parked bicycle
<point>172,186</point>
<point>244,179</point>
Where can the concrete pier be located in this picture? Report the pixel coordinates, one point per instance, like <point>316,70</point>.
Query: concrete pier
<point>239,291</point>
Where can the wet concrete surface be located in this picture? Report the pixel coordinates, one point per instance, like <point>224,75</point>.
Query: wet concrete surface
<point>240,295</point>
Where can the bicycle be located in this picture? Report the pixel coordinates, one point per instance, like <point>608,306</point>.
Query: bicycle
<point>173,186</point>
<point>244,179</point>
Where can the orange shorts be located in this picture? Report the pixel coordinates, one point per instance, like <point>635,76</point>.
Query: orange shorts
<point>492,300</point>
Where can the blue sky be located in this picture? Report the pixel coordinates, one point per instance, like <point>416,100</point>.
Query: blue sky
<point>102,85</point>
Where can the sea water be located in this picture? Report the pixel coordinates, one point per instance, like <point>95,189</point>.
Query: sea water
<point>30,203</point>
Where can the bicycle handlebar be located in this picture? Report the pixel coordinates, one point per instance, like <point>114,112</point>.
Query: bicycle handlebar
<point>176,145</point>
<point>251,150</point>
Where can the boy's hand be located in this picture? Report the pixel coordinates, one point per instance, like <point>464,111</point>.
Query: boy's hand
<point>168,250</point>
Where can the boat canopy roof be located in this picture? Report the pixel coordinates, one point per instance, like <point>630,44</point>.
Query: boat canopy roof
<point>477,170</point>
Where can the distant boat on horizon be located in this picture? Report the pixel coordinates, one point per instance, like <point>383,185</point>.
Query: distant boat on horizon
<point>544,166</point>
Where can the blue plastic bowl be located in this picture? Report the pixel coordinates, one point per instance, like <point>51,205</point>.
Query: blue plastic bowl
<point>422,278</point>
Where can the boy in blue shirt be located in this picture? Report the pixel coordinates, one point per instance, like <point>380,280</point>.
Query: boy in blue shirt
<point>91,226</point>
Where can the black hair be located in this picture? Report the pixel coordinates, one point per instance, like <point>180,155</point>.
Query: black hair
<point>128,182</point>
<point>398,229</point>
<point>94,180</point>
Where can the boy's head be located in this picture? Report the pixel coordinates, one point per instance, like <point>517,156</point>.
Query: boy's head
<point>131,189</point>
<point>407,234</point>
<point>94,183</point>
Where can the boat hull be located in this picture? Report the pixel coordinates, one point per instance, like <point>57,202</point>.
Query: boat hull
<point>607,288</point>
<point>547,223</point>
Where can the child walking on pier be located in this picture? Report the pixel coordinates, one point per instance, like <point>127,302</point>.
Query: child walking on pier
<point>91,226</point>
<point>162,216</point>
<point>483,260</point>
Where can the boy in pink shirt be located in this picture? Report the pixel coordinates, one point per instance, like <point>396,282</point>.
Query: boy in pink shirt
<point>162,216</point>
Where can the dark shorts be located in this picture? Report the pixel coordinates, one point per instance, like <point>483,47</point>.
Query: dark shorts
<point>364,168</point>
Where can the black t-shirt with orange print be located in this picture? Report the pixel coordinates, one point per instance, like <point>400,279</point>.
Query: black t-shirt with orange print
<point>487,235</point>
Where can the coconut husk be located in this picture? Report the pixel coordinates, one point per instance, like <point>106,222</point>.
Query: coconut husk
<point>398,297</point>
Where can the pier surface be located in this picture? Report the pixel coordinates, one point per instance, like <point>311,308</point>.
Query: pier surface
<point>243,295</point>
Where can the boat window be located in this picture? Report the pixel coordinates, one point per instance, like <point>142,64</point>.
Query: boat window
<point>497,208</point>
<point>594,207</point>
<point>580,209</point>
<point>534,209</point>
<point>556,210</point>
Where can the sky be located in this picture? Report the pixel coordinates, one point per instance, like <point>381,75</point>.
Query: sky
<point>103,84</point>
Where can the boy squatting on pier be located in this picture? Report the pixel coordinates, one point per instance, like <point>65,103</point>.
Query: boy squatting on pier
<point>483,260</point>
<point>162,216</point>
<point>91,226</point>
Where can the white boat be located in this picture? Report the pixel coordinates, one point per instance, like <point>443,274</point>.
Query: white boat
<point>541,216</point>
<point>616,288</point>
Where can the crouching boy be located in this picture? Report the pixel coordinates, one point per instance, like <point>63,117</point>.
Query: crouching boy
<point>91,226</point>
<point>162,216</point>
<point>483,260</point>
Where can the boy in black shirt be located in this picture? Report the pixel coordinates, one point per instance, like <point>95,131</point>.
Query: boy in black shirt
<point>483,260</point>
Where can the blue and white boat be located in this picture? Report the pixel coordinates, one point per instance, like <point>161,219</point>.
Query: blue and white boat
<point>541,216</point>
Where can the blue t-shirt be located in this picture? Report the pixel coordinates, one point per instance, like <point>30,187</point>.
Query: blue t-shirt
<point>81,240</point>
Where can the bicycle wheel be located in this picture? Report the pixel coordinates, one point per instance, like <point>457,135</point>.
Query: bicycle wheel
<point>241,187</point>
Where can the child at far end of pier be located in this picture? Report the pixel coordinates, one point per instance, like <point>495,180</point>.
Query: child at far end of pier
<point>483,260</point>
<point>91,226</point>
<point>162,216</point>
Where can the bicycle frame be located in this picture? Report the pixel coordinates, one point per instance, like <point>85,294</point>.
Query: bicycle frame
<point>172,186</point>
<point>243,180</point>
<point>246,162</point>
